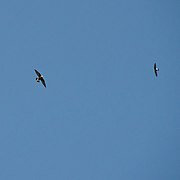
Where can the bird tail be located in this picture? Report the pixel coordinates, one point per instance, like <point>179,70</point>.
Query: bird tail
<point>37,79</point>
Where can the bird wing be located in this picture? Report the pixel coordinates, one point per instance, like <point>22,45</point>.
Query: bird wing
<point>38,73</point>
<point>156,73</point>
<point>43,82</point>
<point>154,66</point>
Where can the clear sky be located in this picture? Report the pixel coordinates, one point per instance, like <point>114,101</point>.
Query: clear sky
<point>104,115</point>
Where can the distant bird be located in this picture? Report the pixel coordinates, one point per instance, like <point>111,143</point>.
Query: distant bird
<point>40,78</point>
<point>156,69</point>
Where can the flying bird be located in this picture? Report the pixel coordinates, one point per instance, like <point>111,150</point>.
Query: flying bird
<point>156,69</point>
<point>40,78</point>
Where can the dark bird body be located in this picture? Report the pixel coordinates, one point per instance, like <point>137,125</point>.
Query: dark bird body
<point>40,78</point>
<point>156,69</point>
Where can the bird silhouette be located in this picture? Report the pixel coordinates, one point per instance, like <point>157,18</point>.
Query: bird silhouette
<point>156,69</point>
<point>40,78</point>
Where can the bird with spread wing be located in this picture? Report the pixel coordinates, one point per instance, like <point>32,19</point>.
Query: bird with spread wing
<point>40,78</point>
<point>156,69</point>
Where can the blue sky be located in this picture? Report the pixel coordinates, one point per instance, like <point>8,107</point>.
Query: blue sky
<point>104,114</point>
